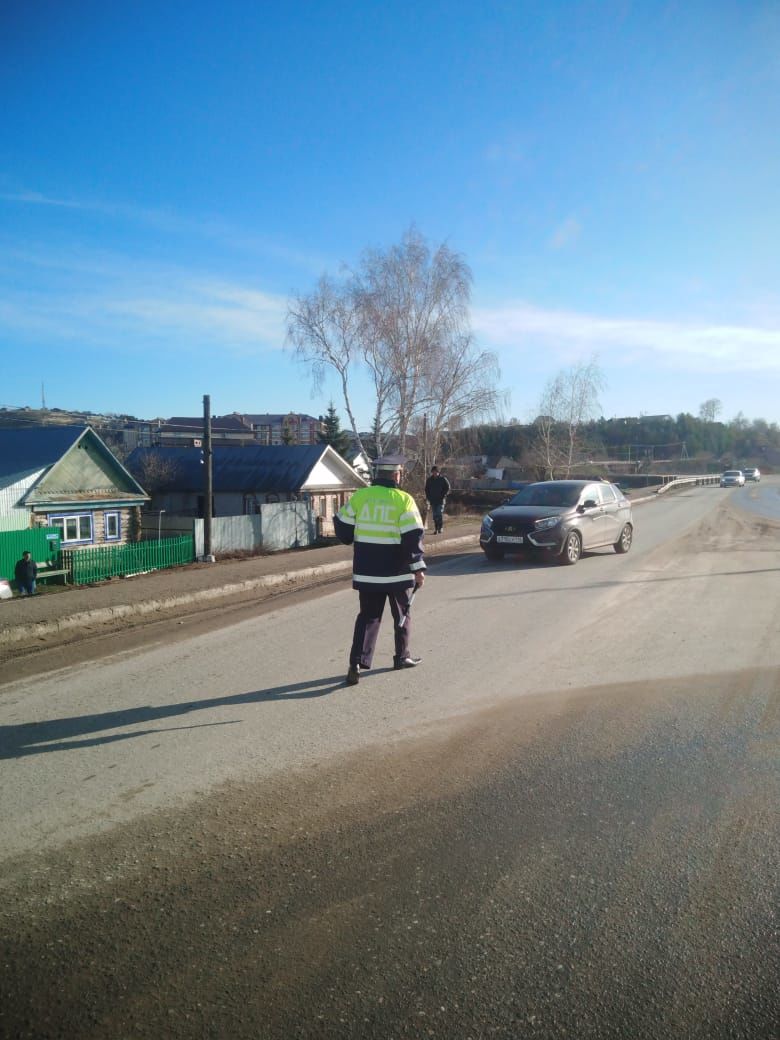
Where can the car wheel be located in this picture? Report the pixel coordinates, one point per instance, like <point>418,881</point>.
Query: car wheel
<point>623,544</point>
<point>492,553</point>
<point>572,549</point>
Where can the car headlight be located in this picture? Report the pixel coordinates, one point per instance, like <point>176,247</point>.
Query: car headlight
<point>547,523</point>
<point>487,524</point>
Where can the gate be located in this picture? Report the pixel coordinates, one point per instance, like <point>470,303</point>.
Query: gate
<point>43,543</point>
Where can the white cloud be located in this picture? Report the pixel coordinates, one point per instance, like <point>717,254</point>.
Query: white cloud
<point>566,234</point>
<point>35,198</point>
<point>234,317</point>
<point>175,224</point>
<point>674,345</point>
<point>115,302</point>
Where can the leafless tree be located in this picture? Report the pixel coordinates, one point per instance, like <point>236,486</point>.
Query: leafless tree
<point>545,451</point>
<point>414,307</point>
<point>153,472</point>
<point>404,317</point>
<point>710,409</point>
<point>569,400</point>
<point>324,329</point>
<point>459,388</point>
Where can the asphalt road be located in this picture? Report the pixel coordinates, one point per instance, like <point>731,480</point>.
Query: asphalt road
<point>563,824</point>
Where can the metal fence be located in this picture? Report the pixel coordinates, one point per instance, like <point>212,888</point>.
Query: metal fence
<point>42,542</point>
<point>670,483</point>
<point>278,525</point>
<point>116,561</point>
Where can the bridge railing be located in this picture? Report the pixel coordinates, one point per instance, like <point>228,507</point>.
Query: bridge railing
<point>696,480</point>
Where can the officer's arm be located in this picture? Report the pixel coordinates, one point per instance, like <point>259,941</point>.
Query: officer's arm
<point>412,532</point>
<point>344,524</point>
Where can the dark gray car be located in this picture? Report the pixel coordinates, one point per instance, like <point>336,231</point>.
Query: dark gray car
<point>559,518</point>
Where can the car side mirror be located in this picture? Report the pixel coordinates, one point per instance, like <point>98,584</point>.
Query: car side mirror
<point>589,503</point>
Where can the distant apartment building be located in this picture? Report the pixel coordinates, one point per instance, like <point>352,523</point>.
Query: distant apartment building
<point>238,428</point>
<point>125,433</point>
<point>292,428</point>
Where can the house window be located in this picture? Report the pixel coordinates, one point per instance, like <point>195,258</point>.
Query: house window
<point>73,528</point>
<point>111,528</point>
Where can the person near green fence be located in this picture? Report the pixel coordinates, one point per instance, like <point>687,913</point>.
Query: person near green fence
<point>26,572</point>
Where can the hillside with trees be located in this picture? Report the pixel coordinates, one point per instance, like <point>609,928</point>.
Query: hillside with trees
<point>631,443</point>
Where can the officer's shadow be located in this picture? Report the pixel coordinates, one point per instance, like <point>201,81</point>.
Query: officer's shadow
<point>28,738</point>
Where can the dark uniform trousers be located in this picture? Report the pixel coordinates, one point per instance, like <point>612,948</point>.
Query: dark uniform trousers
<point>372,605</point>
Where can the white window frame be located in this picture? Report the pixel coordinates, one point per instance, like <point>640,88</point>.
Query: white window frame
<point>62,526</point>
<point>114,513</point>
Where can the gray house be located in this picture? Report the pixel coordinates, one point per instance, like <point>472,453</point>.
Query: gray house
<point>245,478</point>
<point>66,477</point>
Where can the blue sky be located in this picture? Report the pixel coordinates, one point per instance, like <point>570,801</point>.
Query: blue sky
<point>171,173</point>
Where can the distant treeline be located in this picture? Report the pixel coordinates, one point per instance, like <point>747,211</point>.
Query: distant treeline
<point>650,438</point>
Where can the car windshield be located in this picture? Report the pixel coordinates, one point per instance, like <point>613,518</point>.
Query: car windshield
<point>732,473</point>
<point>547,495</point>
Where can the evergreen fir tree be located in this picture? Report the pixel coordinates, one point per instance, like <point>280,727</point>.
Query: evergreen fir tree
<point>337,438</point>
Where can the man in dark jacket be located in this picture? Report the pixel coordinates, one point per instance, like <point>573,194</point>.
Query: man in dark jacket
<point>437,487</point>
<point>26,572</point>
<point>383,524</point>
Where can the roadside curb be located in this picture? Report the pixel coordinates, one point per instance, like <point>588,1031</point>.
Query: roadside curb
<point>102,615</point>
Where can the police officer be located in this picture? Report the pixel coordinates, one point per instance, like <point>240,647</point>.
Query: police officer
<point>383,524</point>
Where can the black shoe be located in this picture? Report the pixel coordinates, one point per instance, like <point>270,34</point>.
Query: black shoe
<point>406,662</point>
<point>353,675</point>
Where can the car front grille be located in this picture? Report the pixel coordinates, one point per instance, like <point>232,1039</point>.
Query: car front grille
<point>514,527</point>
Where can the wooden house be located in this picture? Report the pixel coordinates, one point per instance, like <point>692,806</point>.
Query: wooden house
<point>67,478</point>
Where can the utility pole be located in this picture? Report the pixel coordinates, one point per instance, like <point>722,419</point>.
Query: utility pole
<point>208,483</point>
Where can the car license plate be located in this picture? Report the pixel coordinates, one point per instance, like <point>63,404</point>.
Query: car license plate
<point>516,538</point>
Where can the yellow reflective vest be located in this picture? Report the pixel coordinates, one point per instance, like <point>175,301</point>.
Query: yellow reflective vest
<point>384,525</point>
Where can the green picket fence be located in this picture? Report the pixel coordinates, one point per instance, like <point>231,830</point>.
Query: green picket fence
<point>43,543</point>
<point>115,561</point>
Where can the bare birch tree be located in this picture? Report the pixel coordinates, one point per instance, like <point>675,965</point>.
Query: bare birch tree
<point>404,317</point>
<point>569,400</point>
<point>324,329</point>
<point>460,387</point>
<point>415,307</point>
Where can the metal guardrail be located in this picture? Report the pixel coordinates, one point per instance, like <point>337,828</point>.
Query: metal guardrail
<point>697,481</point>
